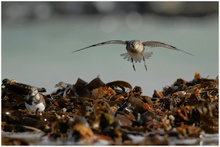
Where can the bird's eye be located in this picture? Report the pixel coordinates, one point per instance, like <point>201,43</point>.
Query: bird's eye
<point>135,44</point>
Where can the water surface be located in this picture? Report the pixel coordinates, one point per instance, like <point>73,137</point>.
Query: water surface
<point>39,52</point>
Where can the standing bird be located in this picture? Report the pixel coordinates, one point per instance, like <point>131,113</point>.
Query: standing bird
<point>63,88</point>
<point>35,101</point>
<point>135,49</point>
<point>19,88</point>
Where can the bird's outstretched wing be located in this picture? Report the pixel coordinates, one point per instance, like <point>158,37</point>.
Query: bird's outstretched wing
<point>161,44</point>
<point>102,43</point>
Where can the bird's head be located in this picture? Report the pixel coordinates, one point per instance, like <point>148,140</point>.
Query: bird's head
<point>33,91</point>
<point>5,82</point>
<point>61,85</point>
<point>134,46</point>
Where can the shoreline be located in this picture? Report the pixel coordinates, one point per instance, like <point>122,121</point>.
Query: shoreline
<point>114,113</point>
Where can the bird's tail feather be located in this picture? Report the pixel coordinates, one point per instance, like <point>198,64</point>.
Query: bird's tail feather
<point>138,58</point>
<point>147,55</point>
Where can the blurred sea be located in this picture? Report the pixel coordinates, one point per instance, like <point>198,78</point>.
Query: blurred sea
<point>39,52</point>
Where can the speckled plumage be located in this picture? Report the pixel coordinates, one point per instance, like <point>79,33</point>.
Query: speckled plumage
<point>35,101</point>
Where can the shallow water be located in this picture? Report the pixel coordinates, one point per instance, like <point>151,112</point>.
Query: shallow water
<point>39,53</point>
<point>38,139</point>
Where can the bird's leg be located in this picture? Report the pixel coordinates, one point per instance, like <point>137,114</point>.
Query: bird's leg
<point>36,111</point>
<point>133,63</point>
<point>145,63</point>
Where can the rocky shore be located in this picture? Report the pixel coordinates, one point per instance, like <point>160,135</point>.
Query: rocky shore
<point>114,113</point>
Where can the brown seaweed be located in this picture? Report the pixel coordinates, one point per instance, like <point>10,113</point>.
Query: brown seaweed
<point>114,112</point>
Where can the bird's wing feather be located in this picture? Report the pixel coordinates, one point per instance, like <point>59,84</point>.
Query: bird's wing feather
<point>102,43</point>
<point>161,44</point>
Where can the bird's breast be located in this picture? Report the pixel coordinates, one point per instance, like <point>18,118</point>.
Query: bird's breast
<point>34,107</point>
<point>136,56</point>
<point>133,49</point>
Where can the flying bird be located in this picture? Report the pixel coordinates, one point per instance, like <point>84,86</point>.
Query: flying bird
<point>136,49</point>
